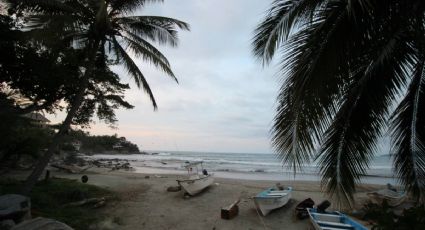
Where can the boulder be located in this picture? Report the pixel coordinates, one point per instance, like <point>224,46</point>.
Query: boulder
<point>41,223</point>
<point>84,179</point>
<point>6,224</point>
<point>15,207</point>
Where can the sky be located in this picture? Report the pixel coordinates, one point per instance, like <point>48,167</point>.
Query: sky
<point>225,99</point>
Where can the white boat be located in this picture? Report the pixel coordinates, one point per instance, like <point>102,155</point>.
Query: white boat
<point>272,198</point>
<point>196,179</point>
<point>332,221</point>
<point>392,198</point>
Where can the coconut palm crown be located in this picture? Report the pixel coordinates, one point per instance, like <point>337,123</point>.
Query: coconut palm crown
<point>353,70</point>
<point>109,27</point>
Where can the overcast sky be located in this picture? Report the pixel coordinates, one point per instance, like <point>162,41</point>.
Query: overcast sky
<point>224,101</point>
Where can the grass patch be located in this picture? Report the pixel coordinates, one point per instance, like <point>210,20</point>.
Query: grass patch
<point>48,198</point>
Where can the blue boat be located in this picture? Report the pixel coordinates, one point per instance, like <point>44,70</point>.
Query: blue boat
<point>332,221</point>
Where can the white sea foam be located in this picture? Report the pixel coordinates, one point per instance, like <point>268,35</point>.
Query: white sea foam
<point>246,163</point>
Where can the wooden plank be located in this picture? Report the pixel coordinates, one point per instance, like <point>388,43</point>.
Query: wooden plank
<point>277,195</point>
<point>325,214</point>
<point>332,228</point>
<point>334,224</point>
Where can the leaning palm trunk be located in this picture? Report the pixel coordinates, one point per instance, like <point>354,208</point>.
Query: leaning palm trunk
<point>109,25</point>
<point>58,138</point>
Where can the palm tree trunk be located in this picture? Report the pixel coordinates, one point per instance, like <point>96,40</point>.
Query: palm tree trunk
<point>63,130</point>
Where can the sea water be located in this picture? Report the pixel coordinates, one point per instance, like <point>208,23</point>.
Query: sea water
<point>255,166</point>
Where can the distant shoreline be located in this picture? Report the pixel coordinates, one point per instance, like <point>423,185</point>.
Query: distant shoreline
<point>165,163</point>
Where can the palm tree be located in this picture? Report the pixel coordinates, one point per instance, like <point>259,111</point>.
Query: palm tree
<point>100,27</point>
<point>353,70</point>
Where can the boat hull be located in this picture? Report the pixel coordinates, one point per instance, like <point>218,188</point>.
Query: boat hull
<point>266,204</point>
<point>392,198</point>
<point>195,186</point>
<point>332,220</point>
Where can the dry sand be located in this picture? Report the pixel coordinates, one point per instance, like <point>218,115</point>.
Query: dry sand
<point>145,204</point>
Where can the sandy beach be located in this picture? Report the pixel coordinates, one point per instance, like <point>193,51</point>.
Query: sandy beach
<point>144,202</point>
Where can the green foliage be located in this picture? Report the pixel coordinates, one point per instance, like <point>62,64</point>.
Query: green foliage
<point>105,29</point>
<point>101,143</point>
<point>384,217</point>
<point>40,75</point>
<point>345,64</point>
<point>45,73</point>
<point>104,95</point>
<point>20,136</point>
<point>48,198</point>
<point>25,140</point>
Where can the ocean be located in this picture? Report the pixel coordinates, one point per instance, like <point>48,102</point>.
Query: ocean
<point>254,166</point>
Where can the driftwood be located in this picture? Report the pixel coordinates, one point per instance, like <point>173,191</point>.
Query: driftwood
<point>174,188</point>
<point>230,211</point>
<point>99,204</point>
<point>94,201</point>
<point>70,168</point>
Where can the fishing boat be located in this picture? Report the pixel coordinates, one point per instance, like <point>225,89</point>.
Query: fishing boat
<point>332,221</point>
<point>301,208</point>
<point>197,178</point>
<point>393,198</point>
<point>272,198</point>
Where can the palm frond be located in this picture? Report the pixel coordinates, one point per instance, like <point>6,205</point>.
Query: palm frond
<point>360,8</point>
<point>150,54</point>
<point>350,142</point>
<point>348,145</point>
<point>281,19</point>
<point>134,71</point>
<point>158,29</point>
<point>41,6</point>
<point>305,105</point>
<point>408,133</point>
<point>165,22</point>
<point>63,21</point>
<point>128,6</point>
<point>332,63</point>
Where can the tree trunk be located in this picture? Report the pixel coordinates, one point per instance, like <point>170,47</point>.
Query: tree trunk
<point>58,138</point>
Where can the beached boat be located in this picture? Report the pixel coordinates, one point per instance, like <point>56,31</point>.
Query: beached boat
<point>332,221</point>
<point>197,178</point>
<point>272,198</point>
<point>301,208</point>
<point>393,198</point>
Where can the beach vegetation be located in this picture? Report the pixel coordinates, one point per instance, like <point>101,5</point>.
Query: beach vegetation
<point>384,216</point>
<point>36,78</point>
<point>104,33</point>
<point>351,72</point>
<point>20,137</point>
<point>100,143</point>
<point>24,141</point>
<point>50,198</point>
